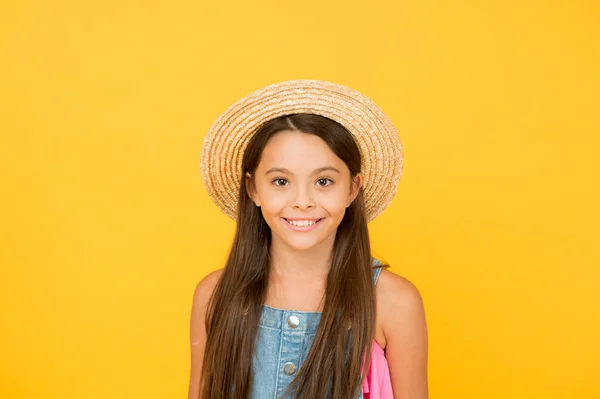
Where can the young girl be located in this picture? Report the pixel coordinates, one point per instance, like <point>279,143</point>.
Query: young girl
<point>302,166</point>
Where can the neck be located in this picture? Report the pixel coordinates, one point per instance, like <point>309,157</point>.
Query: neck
<point>302,266</point>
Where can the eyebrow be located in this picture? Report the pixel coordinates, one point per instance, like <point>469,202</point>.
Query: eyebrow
<point>318,170</point>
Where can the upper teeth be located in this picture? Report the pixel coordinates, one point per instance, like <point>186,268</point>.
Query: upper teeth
<point>302,222</point>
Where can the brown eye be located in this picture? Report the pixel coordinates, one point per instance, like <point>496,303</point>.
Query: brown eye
<point>278,179</point>
<point>325,179</point>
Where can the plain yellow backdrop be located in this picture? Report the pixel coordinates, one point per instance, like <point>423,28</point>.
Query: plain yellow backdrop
<point>106,227</point>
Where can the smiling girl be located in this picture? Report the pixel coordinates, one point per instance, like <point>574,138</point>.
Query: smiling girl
<point>301,309</point>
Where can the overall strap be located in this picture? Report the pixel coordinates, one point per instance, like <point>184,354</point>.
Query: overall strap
<point>376,270</point>
<point>376,273</point>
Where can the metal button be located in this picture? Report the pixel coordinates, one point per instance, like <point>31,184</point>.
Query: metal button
<point>293,321</point>
<point>289,368</point>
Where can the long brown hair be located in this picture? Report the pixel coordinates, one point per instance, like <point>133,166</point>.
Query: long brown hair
<point>347,325</point>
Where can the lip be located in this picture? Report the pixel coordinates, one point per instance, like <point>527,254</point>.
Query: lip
<point>303,228</point>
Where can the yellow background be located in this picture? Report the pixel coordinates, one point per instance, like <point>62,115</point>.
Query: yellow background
<point>106,227</point>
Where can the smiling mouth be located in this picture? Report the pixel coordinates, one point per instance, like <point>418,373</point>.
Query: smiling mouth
<point>316,220</point>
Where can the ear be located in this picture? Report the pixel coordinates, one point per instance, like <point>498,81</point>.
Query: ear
<point>250,188</point>
<point>355,186</point>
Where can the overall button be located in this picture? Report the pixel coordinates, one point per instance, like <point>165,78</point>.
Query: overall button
<point>289,368</point>
<point>293,321</point>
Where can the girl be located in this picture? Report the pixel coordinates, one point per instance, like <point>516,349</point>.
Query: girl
<point>302,166</point>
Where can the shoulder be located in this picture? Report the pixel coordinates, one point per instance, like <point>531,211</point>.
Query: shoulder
<point>400,301</point>
<point>201,297</point>
<point>205,287</point>
<point>203,292</point>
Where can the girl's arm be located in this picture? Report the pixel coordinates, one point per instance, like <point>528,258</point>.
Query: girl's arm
<point>405,330</point>
<point>202,294</point>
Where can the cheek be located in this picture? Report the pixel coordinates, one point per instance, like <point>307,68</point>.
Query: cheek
<point>274,203</point>
<point>333,204</point>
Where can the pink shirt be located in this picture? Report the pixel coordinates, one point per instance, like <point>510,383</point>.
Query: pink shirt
<point>378,384</point>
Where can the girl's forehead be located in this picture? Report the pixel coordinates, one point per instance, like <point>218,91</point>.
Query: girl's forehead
<point>301,163</point>
<point>297,147</point>
<point>298,153</point>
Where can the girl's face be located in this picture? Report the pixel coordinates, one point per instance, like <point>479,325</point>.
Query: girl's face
<point>299,177</point>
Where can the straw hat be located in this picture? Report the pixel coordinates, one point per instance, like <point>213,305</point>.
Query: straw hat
<point>377,139</point>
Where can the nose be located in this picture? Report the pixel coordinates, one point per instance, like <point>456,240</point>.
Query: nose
<point>303,199</point>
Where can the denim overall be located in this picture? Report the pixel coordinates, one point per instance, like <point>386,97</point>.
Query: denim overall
<point>283,341</point>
